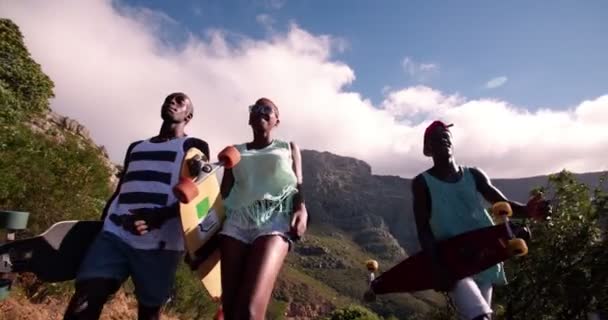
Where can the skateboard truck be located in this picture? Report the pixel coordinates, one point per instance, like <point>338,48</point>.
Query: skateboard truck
<point>514,245</point>
<point>199,165</point>
<point>199,168</point>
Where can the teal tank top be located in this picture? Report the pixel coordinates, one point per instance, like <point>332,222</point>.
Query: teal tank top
<point>456,208</point>
<point>264,183</point>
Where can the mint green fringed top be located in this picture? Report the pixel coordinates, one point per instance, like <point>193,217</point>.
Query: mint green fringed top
<point>264,183</point>
<point>456,207</point>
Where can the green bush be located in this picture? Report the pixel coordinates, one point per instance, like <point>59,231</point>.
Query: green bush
<point>564,275</point>
<point>353,312</point>
<point>24,87</point>
<point>53,181</point>
<point>276,309</point>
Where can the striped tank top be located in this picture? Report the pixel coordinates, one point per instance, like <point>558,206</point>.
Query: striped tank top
<point>152,171</point>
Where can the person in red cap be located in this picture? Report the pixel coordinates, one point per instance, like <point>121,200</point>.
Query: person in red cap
<point>447,202</point>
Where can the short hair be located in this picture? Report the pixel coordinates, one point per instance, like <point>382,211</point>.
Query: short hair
<point>181,97</point>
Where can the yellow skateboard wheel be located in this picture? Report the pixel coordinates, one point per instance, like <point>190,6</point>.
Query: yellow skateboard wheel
<point>502,209</point>
<point>185,190</point>
<point>230,156</point>
<point>517,247</point>
<point>371,265</point>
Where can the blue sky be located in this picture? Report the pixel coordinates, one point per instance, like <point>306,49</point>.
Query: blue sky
<point>525,82</point>
<point>552,53</point>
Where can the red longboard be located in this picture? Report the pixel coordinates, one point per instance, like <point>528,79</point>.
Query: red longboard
<point>464,255</point>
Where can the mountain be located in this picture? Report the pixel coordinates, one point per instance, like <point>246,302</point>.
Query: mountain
<point>377,210</point>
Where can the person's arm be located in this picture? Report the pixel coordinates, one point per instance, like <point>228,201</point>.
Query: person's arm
<point>297,169</point>
<point>422,215</point>
<point>300,217</point>
<point>125,165</point>
<point>227,183</point>
<point>199,144</point>
<point>493,195</point>
<point>428,243</point>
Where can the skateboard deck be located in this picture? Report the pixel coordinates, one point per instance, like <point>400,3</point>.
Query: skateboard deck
<point>202,214</point>
<point>54,255</point>
<point>464,255</point>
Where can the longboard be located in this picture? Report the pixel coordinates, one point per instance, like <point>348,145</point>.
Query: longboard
<point>53,256</point>
<point>464,255</point>
<point>202,214</point>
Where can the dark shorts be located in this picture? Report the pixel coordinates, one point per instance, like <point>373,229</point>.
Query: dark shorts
<point>152,271</point>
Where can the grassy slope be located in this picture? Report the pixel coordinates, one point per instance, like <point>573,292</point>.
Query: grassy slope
<point>350,279</point>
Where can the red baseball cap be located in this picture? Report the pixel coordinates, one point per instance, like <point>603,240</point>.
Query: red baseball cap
<point>427,132</point>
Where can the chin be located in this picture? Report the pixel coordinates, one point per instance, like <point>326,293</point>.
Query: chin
<point>442,155</point>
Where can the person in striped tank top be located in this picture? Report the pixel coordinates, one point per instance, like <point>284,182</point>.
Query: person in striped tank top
<point>265,213</point>
<point>141,236</point>
<point>447,202</point>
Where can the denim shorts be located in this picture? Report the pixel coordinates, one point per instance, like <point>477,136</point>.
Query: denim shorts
<point>152,271</point>
<point>246,231</point>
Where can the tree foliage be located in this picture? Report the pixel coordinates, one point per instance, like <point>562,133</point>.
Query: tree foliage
<point>565,274</point>
<point>24,89</point>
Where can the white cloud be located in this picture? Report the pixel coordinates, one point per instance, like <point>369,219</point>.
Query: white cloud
<point>112,71</point>
<point>419,71</point>
<point>496,82</point>
<point>265,20</point>
<point>272,4</point>
<point>414,101</point>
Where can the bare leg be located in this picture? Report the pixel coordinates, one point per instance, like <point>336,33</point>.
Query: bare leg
<point>233,263</point>
<point>262,268</point>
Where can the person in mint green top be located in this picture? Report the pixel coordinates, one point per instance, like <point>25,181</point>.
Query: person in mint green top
<point>265,214</point>
<point>448,202</point>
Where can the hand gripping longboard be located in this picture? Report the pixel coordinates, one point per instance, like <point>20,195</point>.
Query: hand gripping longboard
<point>465,255</point>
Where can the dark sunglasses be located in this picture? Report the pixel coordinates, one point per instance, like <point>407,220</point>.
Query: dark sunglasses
<point>261,109</point>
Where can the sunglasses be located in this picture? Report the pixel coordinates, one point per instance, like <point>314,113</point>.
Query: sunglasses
<point>261,109</point>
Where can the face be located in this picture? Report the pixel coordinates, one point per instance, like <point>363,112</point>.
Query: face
<point>176,109</point>
<point>440,142</point>
<point>262,118</point>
